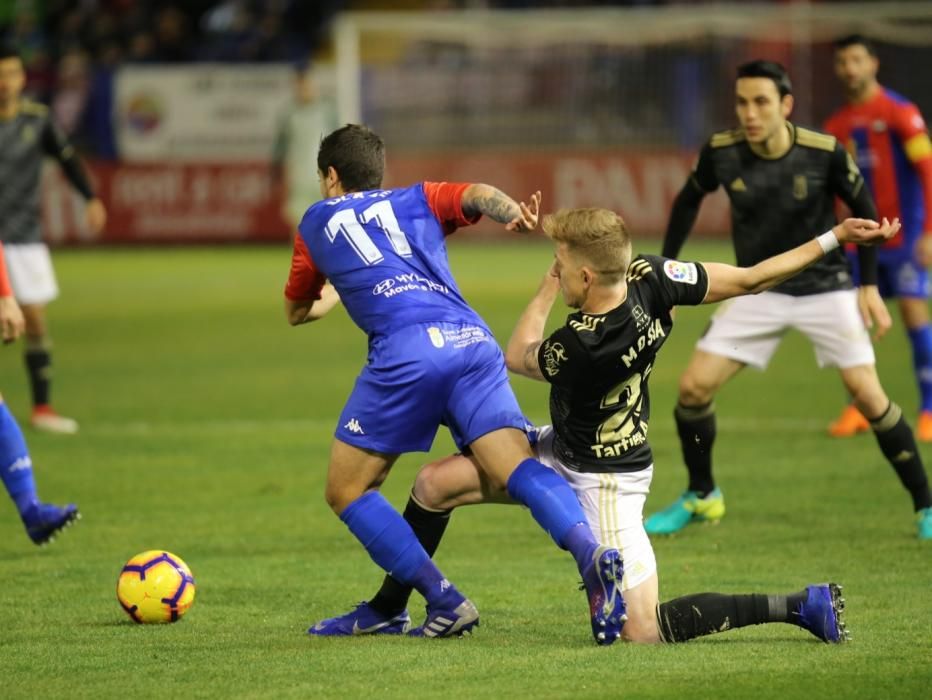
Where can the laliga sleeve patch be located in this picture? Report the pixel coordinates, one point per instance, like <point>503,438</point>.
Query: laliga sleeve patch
<point>681,271</point>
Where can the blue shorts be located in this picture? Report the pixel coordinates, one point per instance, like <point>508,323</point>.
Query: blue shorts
<point>425,376</point>
<point>897,276</point>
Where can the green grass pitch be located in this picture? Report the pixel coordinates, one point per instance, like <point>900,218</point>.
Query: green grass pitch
<point>206,422</point>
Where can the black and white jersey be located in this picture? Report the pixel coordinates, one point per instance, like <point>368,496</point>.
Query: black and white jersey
<point>778,204</point>
<point>598,366</point>
<point>25,140</point>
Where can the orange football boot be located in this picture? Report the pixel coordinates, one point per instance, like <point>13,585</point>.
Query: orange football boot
<point>851,422</point>
<point>924,427</point>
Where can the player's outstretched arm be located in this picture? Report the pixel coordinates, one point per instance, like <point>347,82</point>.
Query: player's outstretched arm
<point>727,281</point>
<point>306,311</point>
<point>495,204</point>
<point>525,341</point>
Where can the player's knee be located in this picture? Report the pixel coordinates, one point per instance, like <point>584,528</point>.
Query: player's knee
<point>694,390</point>
<point>427,489</point>
<point>640,629</point>
<point>338,497</point>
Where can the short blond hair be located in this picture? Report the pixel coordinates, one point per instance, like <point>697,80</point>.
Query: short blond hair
<point>598,236</point>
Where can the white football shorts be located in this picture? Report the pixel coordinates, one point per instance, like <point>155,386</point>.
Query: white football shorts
<point>614,506</point>
<point>749,329</point>
<point>31,273</point>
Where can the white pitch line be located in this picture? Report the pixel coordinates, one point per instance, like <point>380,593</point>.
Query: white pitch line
<point>242,426</point>
<point>209,427</point>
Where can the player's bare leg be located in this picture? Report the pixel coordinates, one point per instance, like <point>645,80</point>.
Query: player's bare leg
<point>915,314</point>
<point>38,358</point>
<point>695,422</point>
<point>895,438</point>
<point>641,600</point>
<point>352,472</point>
<point>456,481</point>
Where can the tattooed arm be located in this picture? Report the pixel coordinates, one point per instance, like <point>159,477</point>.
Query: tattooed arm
<point>488,200</point>
<point>526,339</point>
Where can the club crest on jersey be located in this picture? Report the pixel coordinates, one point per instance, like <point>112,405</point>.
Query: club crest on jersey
<point>681,271</point>
<point>554,354</point>
<point>800,187</point>
<point>28,134</point>
<point>641,317</point>
<point>436,337</point>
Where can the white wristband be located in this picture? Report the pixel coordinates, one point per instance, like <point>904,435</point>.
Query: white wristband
<point>828,241</point>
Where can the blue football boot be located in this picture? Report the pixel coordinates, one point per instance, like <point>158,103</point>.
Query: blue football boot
<point>448,623</point>
<point>823,613</point>
<point>44,520</point>
<point>362,620</point>
<point>602,583</point>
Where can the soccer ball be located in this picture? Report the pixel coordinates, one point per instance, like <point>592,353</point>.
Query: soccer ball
<point>155,586</point>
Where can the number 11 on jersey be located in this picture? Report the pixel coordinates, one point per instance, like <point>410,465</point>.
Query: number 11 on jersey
<point>382,214</point>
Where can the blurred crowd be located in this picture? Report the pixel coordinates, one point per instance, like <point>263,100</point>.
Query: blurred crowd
<point>71,47</point>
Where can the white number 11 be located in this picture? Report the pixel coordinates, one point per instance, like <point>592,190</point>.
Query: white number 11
<point>345,222</point>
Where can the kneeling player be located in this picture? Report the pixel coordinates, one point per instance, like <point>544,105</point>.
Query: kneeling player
<point>598,366</point>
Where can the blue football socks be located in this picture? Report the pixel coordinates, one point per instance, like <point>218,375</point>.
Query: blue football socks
<point>921,341</point>
<point>555,507</point>
<point>15,463</point>
<point>392,544</point>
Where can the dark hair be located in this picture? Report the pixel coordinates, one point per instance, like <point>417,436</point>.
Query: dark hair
<point>8,50</point>
<point>768,69</point>
<point>357,154</point>
<point>855,40</point>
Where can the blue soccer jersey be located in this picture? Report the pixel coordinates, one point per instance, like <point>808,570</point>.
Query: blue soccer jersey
<point>432,360</point>
<point>385,253</point>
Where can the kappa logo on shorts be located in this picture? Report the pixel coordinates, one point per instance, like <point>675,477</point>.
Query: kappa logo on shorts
<point>681,271</point>
<point>353,426</point>
<point>436,337</point>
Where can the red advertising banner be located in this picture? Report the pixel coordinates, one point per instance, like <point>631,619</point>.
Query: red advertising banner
<point>640,186</point>
<point>190,202</point>
<point>169,202</point>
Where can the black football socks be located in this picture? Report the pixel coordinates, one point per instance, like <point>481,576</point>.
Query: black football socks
<point>696,428</point>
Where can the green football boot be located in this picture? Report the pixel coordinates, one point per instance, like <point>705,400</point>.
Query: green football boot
<point>688,508</point>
